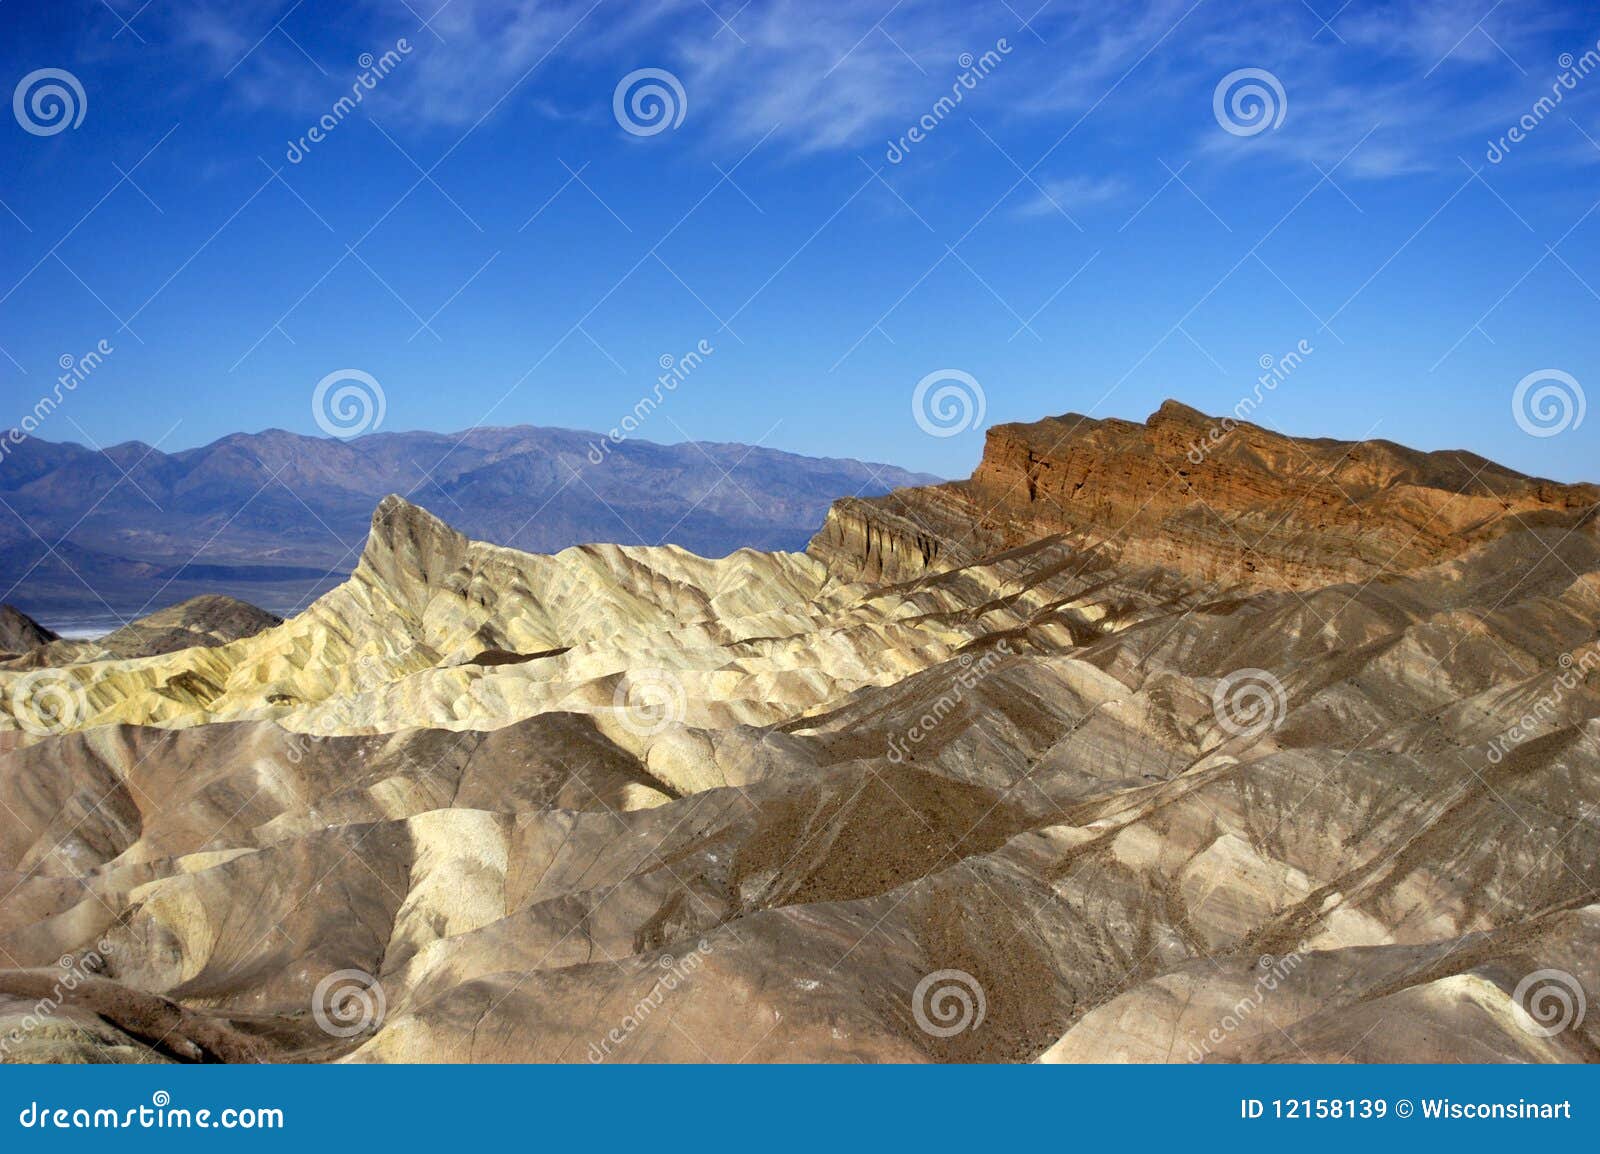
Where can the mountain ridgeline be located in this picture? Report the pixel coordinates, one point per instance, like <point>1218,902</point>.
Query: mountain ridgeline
<point>277,519</point>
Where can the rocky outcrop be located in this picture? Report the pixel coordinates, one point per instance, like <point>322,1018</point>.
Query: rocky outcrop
<point>1215,500</point>
<point>20,633</point>
<point>206,621</point>
<point>753,637</point>
<point>873,541</point>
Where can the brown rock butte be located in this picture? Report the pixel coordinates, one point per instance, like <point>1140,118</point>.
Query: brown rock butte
<point>1233,505</point>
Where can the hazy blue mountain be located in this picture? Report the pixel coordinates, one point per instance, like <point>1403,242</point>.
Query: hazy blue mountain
<point>276,518</point>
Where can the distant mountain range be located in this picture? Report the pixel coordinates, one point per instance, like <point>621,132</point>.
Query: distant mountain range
<point>277,518</point>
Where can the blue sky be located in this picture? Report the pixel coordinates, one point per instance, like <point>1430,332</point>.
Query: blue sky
<point>1083,232</point>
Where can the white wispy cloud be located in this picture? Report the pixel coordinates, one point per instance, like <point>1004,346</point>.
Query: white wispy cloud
<point>835,77</point>
<point>1439,33</point>
<point>1073,193</point>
